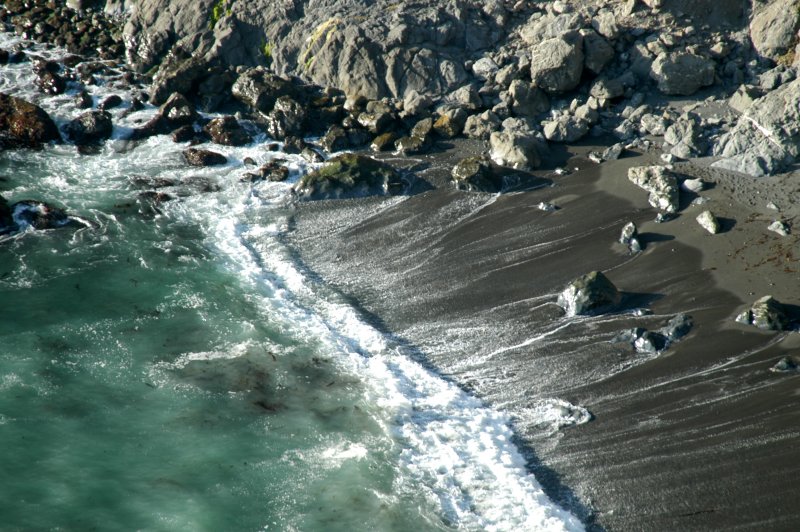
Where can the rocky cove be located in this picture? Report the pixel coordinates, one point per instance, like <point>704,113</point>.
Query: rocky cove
<point>501,152</point>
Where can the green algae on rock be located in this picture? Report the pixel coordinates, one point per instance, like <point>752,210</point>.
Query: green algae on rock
<point>349,175</point>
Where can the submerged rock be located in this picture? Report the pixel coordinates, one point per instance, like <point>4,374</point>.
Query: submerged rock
<point>25,125</point>
<point>6,217</point>
<point>349,175</point>
<point>767,314</point>
<point>588,294</point>
<point>660,183</point>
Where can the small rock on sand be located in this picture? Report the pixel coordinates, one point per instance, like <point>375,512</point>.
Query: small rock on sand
<point>709,222</point>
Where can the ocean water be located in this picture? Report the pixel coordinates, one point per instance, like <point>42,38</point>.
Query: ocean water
<point>175,368</point>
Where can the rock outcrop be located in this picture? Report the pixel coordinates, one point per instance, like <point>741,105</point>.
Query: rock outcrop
<point>766,138</point>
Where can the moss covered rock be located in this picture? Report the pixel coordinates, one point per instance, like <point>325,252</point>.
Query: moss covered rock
<point>349,175</point>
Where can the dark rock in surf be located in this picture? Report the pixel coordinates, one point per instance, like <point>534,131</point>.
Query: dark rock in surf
<point>177,111</point>
<point>90,128</point>
<point>6,218</point>
<point>287,118</point>
<point>197,157</point>
<point>84,100</point>
<point>349,175</point>
<point>51,83</point>
<point>110,103</point>
<point>227,131</point>
<point>25,125</point>
<point>40,215</point>
<point>589,294</point>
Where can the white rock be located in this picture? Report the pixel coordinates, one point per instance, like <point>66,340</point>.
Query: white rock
<point>708,222</point>
<point>693,185</point>
<point>779,227</point>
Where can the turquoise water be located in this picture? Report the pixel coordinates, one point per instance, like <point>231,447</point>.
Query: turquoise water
<point>174,369</point>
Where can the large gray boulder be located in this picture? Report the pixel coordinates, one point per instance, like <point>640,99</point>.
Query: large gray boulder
<point>773,29</point>
<point>660,183</point>
<point>527,99</point>
<point>557,63</point>
<point>517,149</point>
<point>766,138</point>
<point>682,73</point>
<point>590,293</point>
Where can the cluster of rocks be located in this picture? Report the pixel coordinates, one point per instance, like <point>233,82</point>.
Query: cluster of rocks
<point>594,293</point>
<point>84,30</point>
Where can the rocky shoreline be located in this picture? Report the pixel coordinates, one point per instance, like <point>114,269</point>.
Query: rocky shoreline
<point>529,144</point>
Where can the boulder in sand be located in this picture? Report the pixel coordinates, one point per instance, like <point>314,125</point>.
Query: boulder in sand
<point>660,183</point>
<point>589,294</point>
<point>767,314</point>
<point>709,222</point>
<point>476,174</point>
<point>515,148</point>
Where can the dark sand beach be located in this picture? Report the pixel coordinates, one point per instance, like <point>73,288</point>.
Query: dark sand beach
<point>696,437</point>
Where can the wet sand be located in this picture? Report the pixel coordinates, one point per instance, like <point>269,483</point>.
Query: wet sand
<point>698,437</point>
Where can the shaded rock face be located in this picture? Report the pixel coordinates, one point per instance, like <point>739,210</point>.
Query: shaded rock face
<point>767,314</point>
<point>90,128</point>
<point>766,138</point>
<point>349,175</point>
<point>25,125</point>
<point>660,183</point>
<point>589,294</point>
<point>773,29</point>
<point>682,73</point>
